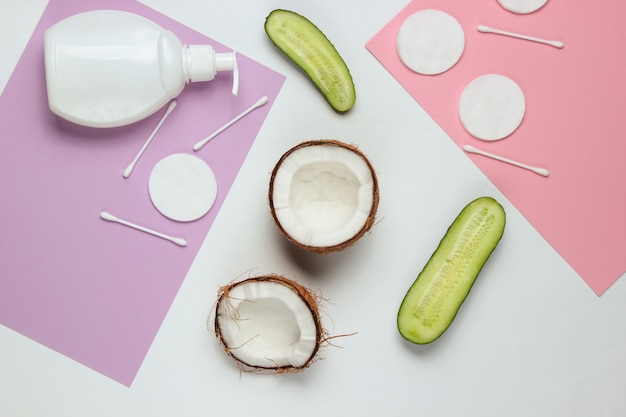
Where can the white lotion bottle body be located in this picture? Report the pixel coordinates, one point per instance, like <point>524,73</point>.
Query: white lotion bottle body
<point>109,68</point>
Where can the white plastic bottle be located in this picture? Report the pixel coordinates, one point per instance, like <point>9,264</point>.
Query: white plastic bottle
<point>109,68</point>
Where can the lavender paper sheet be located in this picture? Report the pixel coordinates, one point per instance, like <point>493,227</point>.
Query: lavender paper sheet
<point>94,291</point>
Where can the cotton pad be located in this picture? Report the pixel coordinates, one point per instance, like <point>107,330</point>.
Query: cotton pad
<point>522,6</point>
<point>492,107</point>
<point>430,42</point>
<point>182,187</point>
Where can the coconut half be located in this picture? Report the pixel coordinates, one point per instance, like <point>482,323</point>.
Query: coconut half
<point>269,323</point>
<point>323,195</point>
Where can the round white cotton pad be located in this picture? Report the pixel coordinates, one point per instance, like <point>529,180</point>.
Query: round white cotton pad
<point>491,107</point>
<point>522,6</point>
<point>430,42</point>
<point>182,187</point>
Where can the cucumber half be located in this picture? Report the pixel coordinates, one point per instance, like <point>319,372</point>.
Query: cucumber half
<point>435,297</point>
<point>303,43</point>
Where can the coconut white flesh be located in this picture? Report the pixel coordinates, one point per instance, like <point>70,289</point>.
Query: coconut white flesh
<point>323,194</point>
<point>268,325</point>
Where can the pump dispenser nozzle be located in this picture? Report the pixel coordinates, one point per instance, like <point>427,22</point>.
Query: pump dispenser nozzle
<point>203,64</point>
<point>226,62</point>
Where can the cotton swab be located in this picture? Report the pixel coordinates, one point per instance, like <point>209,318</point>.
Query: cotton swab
<point>111,218</point>
<point>487,29</point>
<point>129,169</point>
<point>203,142</point>
<point>541,171</point>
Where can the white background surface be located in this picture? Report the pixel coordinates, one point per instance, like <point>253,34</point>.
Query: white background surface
<point>531,340</point>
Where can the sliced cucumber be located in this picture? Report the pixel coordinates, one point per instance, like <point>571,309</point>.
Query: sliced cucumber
<point>433,300</point>
<point>303,43</point>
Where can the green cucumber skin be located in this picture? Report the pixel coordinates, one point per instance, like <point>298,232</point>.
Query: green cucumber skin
<point>304,44</point>
<point>433,300</point>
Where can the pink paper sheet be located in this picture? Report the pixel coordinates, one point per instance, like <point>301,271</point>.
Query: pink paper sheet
<point>95,291</point>
<point>573,124</point>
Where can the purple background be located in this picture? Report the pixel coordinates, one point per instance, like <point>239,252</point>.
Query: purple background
<point>95,291</point>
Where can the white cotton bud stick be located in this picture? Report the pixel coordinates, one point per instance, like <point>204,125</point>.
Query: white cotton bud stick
<point>111,218</point>
<point>487,29</point>
<point>541,171</point>
<point>203,142</point>
<point>129,169</point>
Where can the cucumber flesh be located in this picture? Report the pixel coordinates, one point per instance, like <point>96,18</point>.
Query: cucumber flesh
<point>302,42</point>
<point>435,297</point>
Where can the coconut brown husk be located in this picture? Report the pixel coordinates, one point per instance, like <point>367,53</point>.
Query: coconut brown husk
<point>370,219</point>
<point>311,299</point>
